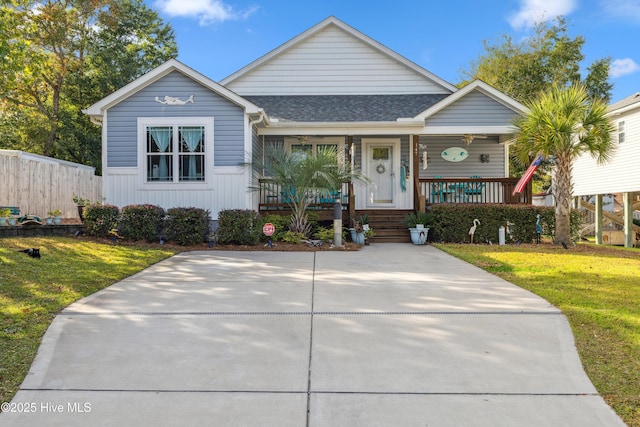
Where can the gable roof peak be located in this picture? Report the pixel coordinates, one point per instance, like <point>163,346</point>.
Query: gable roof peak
<point>319,27</point>
<point>98,109</point>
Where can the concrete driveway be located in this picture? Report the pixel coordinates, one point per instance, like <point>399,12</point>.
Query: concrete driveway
<point>392,335</point>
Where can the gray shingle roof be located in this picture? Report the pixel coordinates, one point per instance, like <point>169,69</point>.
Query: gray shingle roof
<point>344,108</point>
<point>625,102</point>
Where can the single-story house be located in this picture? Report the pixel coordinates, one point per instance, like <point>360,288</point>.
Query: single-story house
<point>174,137</point>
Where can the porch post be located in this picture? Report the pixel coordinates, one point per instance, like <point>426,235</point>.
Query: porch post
<point>351,197</point>
<point>628,219</point>
<point>598,230</point>
<point>419,203</point>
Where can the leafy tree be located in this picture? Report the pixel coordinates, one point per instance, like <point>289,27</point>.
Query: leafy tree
<point>563,124</point>
<point>523,70</point>
<point>65,55</point>
<point>550,57</point>
<point>304,178</point>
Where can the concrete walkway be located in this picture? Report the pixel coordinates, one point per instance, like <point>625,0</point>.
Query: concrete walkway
<point>392,335</point>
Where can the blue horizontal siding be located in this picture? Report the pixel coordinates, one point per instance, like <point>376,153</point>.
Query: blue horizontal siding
<point>475,109</point>
<point>122,120</point>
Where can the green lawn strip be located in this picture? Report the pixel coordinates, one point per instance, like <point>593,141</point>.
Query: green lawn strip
<point>33,291</point>
<point>598,289</point>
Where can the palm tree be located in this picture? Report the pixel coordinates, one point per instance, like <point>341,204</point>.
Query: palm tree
<point>303,178</point>
<point>562,124</point>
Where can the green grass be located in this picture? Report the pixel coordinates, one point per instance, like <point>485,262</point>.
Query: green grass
<point>32,290</point>
<point>598,289</point>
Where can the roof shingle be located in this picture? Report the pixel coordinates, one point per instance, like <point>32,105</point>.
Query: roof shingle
<point>344,108</point>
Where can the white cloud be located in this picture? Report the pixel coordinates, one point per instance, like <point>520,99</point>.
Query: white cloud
<point>622,9</point>
<point>535,11</point>
<point>206,11</point>
<point>622,67</point>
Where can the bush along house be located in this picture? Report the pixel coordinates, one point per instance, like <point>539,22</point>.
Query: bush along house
<point>174,137</point>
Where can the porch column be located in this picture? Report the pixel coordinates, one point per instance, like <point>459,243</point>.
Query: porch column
<point>419,202</point>
<point>628,220</point>
<point>598,219</point>
<point>351,195</point>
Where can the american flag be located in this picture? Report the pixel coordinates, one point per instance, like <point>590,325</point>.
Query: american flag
<point>527,175</point>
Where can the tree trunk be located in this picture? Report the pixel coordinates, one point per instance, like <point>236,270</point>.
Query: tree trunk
<point>563,193</point>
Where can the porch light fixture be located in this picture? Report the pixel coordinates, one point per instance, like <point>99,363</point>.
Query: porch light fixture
<point>484,158</point>
<point>468,138</point>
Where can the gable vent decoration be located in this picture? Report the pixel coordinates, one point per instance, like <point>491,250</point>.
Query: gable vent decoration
<point>172,100</point>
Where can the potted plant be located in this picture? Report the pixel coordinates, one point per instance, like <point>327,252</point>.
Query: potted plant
<point>368,235</point>
<point>56,215</point>
<point>81,204</point>
<point>5,213</point>
<point>357,233</point>
<point>366,229</point>
<point>417,223</point>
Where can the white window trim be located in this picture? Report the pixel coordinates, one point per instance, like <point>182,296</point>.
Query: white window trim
<point>621,133</point>
<point>339,141</point>
<point>144,122</point>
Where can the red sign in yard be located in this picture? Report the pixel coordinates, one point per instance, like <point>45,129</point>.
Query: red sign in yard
<point>268,229</point>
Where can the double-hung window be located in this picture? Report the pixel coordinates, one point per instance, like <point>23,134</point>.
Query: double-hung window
<point>176,150</point>
<point>620,132</point>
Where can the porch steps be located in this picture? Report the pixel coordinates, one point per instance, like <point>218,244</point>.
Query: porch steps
<point>387,225</point>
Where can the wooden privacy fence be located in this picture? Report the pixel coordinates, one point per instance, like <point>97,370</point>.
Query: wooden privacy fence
<point>38,184</point>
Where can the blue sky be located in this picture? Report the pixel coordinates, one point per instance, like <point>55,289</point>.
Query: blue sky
<point>219,37</point>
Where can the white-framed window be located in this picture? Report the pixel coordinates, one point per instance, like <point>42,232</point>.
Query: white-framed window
<point>175,150</point>
<point>621,132</point>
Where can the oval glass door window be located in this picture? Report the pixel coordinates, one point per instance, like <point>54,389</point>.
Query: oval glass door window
<point>454,154</point>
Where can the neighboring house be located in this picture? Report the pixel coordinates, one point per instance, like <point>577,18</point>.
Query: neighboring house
<point>620,175</point>
<point>174,137</point>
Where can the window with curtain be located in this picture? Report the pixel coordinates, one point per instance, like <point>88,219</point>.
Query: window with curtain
<point>176,152</point>
<point>191,153</point>
<point>159,153</point>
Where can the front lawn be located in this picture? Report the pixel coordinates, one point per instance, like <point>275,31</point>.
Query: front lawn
<point>598,289</point>
<point>33,291</point>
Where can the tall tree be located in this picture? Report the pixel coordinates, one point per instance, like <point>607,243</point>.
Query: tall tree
<point>549,57</point>
<point>562,124</point>
<point>72,53</point>
<point>523,70</point>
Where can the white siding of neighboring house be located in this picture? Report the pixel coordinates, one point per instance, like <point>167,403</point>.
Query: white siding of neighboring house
<point>333,62</point>
<point>622,174</point>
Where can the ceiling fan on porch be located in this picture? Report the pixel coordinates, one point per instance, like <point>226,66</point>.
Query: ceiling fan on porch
<point>469,137</point>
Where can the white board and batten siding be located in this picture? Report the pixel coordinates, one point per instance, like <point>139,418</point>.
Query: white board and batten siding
<point>38,184</point>
<point>333,62</point>
<point>622,173</point>
<point>227,182</point>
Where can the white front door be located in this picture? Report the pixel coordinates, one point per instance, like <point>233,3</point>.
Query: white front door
<point>380,169</point>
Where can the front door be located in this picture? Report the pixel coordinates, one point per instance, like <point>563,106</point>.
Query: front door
<point>380,169</point>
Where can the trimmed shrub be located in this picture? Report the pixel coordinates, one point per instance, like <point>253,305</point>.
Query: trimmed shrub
<point>293,237</point>
<point>141,222</point>
<point>324,234</point>
<point>187,226</point>
<point>451,222</point>
<point>100,220</point>
<point>239,226</point>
